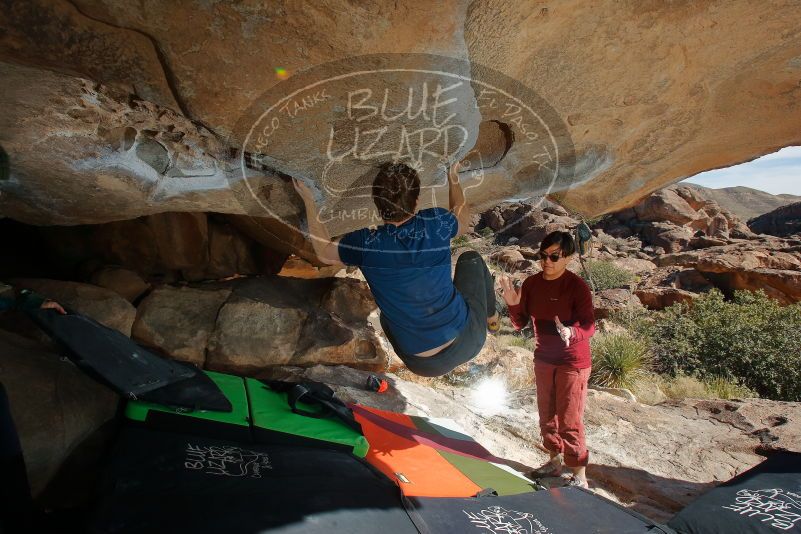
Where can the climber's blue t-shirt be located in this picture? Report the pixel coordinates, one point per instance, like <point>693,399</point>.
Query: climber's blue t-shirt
<point>408,268</point>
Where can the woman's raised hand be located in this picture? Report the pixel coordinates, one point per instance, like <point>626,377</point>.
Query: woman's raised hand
<point>510,293</point>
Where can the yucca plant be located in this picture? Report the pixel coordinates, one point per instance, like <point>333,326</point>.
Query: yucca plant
<point>619,360</point>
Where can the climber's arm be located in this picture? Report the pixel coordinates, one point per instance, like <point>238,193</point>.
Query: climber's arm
<point>456,200</point>
<point>28,301</point>
<point>326,249</point>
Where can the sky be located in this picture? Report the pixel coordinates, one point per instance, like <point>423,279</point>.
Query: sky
<point>775,173</point>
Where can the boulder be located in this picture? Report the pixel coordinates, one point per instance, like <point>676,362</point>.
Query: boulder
<point>665,205</point>
<point>668,236</point>
<point>618,230</point>
<point>718,227</point>
<point>690,280</point>
<point>635,265</point>
<point>510,259</point>
<point>178,321</point>
<point>275,321</point>
<point>55,406</point>
<point>610,301</point>
<point>698,242</point>
<point>522,221</point>
<point>692,197</point>
<point>126,283</point>
<point>101,304</point>
<point>513,213</point>
<point>554,208</point>
<point>349,299</point>
<point>529,253</point>
<point>250,335</point>
<point>493,219</point>
<point>782,222</point>
<point>770,265</point>
<point>782,285</point>
<point>534,237</point>
<point>658,298</point>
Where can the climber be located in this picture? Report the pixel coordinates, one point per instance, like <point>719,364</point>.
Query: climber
<point>433,322</point>
<point>28,300</point>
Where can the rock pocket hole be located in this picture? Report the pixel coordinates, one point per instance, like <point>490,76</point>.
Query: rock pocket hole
<point>154,154</point>
<point>777,420</point>
<point>365,350</point>
<point>495,139</point>
<point>128,138</point>
<point>764,435</point>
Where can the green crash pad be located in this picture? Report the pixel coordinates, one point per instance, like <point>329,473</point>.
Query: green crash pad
<point>235,423</point>
<point>275,423</point>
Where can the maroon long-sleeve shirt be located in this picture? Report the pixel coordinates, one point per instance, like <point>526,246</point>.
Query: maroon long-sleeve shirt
<point>568,298</point>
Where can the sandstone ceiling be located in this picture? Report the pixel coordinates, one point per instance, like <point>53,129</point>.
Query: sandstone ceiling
<point>113,110</point>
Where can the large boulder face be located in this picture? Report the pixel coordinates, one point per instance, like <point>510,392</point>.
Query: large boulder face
<point>178,321</point>
<point>782,222</point>
<point>246,326</point>
<point>138,107</point>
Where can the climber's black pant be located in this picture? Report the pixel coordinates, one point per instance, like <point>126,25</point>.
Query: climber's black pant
<point>474,281</point>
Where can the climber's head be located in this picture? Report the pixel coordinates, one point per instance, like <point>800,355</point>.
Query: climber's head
<point>396,191</point>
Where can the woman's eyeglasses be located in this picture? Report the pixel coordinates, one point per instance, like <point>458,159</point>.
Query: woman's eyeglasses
<point>556,256</point>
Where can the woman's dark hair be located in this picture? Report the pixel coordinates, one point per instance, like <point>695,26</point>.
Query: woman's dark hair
<point>395,191</point>
<point>563,239</point>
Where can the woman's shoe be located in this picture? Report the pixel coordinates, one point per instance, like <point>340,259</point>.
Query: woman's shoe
<point>551,468</point>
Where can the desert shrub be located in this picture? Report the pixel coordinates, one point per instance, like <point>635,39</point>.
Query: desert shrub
<point>618,360</point>
<point>684,386</point>
<point>486,232</point>
<point>726,388</point>
<point>634,319</point>
<point>606,275</point>
<point>461,241</point>
<point>751,340</point>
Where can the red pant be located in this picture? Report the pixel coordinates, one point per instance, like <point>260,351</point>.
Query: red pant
<point>561,394</point>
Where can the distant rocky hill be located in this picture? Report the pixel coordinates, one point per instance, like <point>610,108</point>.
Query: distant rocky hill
<point>782,222</point>
<point>744,202</point>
